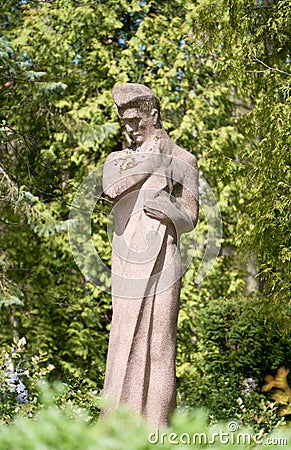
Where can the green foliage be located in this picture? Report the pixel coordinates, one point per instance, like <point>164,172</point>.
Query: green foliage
<point>259,414</point>
<point>255,59</point>
<point>13,360</point>
<point>222,72</point>
<point>69,427</point>
<point>233,347</point>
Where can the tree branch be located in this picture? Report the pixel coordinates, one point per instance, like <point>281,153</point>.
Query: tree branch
<point>271,68</point>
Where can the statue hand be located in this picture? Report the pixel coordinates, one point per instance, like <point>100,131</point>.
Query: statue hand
<point>159,207</point>
<point>168,210</point>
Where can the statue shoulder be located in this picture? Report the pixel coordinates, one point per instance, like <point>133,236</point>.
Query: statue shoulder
<point>184,155</point>
<point>167,146</point>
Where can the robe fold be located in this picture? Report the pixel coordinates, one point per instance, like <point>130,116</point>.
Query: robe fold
<point>140,368</point>
<point>146,274</point>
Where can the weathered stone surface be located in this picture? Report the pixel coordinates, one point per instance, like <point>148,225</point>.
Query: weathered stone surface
<point>154,186</point>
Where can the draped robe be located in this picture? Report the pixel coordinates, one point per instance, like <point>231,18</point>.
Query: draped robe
<point>146,276</point>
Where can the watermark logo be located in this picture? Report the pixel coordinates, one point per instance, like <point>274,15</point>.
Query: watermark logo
<point>231,435</point>
<point>135,241</point>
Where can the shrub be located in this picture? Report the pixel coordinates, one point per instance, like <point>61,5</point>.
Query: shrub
<point>70,428</point>
<point>235,347</point>
<point>14,367</point>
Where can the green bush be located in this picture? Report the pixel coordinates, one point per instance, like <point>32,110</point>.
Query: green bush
<point>35,370</point>
<point>235,347</point>
<point>70,428</point>
<point>64,417</point>
<point>13,359</point>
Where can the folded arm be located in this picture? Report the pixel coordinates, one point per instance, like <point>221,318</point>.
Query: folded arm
<point>125,171</point>
<point>180,208</point>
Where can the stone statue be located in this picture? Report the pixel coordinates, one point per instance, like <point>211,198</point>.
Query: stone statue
<point>154,187</point>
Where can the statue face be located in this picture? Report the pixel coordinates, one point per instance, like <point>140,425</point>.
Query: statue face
<point>140,125</point>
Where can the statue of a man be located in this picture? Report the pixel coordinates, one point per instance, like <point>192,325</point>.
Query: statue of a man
<point>154,187</point>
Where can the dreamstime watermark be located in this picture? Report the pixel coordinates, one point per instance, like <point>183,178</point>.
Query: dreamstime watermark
<point>90,260</point>
<point>231,435</point>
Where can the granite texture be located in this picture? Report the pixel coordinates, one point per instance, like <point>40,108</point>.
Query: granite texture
<point>154,187</point>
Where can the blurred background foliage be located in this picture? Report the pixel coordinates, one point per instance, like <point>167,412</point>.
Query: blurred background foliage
<point>222,72</point>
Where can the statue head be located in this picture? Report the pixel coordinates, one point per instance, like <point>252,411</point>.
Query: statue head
<point>139,108</point>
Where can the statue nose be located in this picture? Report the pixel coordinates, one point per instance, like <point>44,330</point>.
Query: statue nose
<point>129,128</point>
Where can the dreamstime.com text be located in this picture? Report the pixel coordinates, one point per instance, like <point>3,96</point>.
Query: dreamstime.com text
<point>229,436</point>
